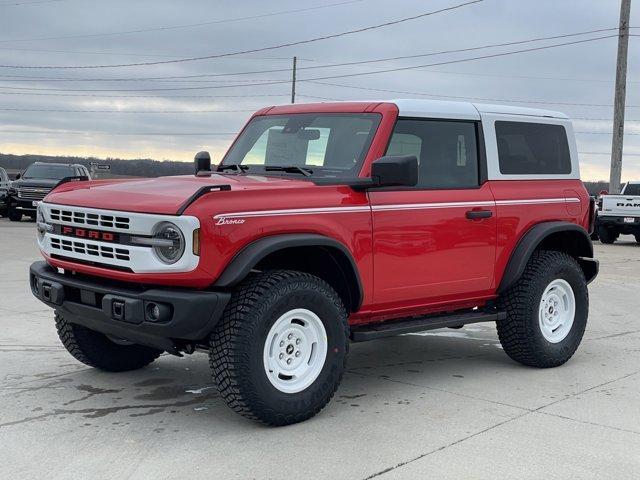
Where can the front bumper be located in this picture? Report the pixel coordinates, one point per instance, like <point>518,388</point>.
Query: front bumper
<point>25,206</point>
<point>123,310</point>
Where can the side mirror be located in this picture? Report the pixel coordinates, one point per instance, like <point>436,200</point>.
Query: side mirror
<point>395,171</point>
<point>18,176</point>
<point>202,162</point>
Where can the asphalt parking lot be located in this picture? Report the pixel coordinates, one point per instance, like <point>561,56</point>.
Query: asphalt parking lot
<point>445,404</point>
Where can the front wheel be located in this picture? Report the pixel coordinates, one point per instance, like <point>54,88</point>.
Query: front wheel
<point>547,311</point>
<point>279,352</point>
<point>637,235</point>
<point>606,235</point>
<point>97,350</point>
<point>15,215</point>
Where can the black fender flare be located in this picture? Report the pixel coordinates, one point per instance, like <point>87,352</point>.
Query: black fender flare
<point>250,255</point>
<point>534,237</point>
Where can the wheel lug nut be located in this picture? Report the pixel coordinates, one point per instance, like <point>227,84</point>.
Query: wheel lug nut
<point>290,336</point>
<point>288,361</point>
<point>282,343</point>
<point>280,356</point>
<point>298,353</point>
<point>297,341</point>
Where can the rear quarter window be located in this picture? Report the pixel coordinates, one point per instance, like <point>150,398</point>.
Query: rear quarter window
<point>526,148</point>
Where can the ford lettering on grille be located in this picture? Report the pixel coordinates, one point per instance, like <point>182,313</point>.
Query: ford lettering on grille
<point>88,234</point>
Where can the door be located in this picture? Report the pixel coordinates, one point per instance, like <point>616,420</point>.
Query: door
<point>436,242</point>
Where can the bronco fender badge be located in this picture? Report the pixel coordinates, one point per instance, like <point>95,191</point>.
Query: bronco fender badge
<point>230,221</point>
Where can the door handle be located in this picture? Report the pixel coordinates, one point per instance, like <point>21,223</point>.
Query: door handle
<point>478,214</point>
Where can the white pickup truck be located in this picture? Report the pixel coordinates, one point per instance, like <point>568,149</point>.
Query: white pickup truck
<point>619,214</point>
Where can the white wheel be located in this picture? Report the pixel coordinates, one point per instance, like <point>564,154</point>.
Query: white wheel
<point>557,311</point>
<point>295,350</point>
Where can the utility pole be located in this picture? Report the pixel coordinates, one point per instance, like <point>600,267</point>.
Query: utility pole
<point>619,102</point>
<point>293,80</point>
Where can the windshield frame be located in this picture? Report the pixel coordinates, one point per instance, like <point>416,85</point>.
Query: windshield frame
<point>70,172</point>
<point>317,171</point>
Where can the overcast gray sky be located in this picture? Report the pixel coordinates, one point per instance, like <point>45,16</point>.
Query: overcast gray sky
<point>31,31</point>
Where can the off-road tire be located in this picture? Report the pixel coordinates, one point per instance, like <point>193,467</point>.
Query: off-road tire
<point>606,236</point>
<point>96,350</point>
<point>15,215</point>
<point>637,235</point>
<point>237,345</point>
<point>520,333</point>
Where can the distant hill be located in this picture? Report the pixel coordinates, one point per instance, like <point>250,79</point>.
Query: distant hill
<point>143,167</point>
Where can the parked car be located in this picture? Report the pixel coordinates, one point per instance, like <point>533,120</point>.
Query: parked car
<point>619,214</point>
<point>34,184</point>
<point>326,224</point>
<point>4,192</point>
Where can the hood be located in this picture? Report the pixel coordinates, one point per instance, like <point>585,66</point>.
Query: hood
<point>35,182</point>
<point>163,195</point>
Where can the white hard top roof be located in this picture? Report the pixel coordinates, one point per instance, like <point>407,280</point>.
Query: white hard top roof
<point>468,110</point>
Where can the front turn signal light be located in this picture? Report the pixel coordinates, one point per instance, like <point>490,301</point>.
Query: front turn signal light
<point>196,242</point>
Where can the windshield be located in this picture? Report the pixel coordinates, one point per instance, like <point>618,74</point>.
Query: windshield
<point>325,145</point>
<point>55,172</point>
<point>632,189</point>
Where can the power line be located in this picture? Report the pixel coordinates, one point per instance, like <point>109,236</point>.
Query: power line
<point>190,25</point>
<point>349,75</point>
<point>141,134</point>
<point>15,4</point>
<point>53,79</point>
<point>127,54</point>
<point>609,154</point>
<point>458,97</point>
<point>602,119</point>
<point>448,62</point>
<point>603,133</point>
<point>322,66</point>
<point>254,50</point>
<point>532,77</point>
<point>55,110</point>
<point>141,96</point>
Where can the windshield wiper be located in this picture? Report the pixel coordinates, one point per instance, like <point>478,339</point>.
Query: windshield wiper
<point>233,166</point>
<point>289,169</point>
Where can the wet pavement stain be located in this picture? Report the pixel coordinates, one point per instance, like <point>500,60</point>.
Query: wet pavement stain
<point>90,392</point>
<point>153,382</point>
<point>165,392</point>
<point>104,411</point>
<point>151,411</point>
<point>351,397</point>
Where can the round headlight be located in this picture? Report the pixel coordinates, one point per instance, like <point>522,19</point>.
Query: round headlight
<point>170,245</point>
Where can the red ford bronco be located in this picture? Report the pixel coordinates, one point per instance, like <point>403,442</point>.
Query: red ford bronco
<point>326,224</point>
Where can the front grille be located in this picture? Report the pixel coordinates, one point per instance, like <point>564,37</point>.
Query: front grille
<point>85,248</point>
<point>32,193</point>
<point>92,219</point>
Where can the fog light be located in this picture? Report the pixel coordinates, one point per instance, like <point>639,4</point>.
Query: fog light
<point>153,312</point>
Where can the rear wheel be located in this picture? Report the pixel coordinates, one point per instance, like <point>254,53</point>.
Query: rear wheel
<point>97,350</point>
<point>637,235</point>
<point>606,235</point>
<point>15,215</point>
<point>279,352</point>
<point>547,311</point>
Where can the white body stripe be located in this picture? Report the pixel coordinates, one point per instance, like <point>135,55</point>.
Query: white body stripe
<point>392,207</point>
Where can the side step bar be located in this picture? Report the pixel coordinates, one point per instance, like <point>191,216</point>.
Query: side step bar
<point>362,333</point>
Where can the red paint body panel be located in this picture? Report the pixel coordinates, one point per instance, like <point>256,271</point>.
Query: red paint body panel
<point>435,253</point>
<point>416,259</point>
<point>515,220</point>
